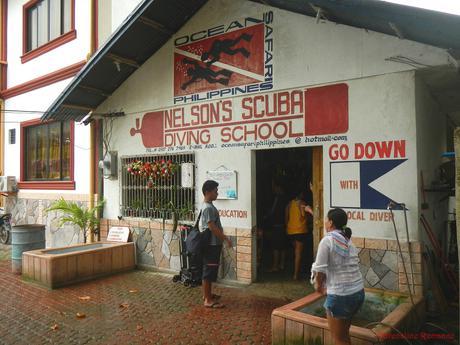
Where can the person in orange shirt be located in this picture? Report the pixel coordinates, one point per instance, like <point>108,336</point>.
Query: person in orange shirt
<point>296,227</point>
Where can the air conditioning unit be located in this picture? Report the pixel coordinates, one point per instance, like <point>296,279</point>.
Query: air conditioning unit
<point>8,184</point>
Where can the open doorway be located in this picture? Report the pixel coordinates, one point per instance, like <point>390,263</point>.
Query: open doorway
<point>281,175</point>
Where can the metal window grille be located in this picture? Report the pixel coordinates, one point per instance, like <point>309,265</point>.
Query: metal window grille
<point>165,197</point>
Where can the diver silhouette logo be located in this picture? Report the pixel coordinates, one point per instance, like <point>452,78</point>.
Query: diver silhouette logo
<point>197,72</point>
<point>225,46</point>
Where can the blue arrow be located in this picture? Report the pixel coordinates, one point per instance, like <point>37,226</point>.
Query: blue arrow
<point>369,172</point>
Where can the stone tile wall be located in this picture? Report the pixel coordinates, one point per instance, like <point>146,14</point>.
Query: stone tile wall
<point>158,247</point>
<point>382,267</point>
<point>32,211</point>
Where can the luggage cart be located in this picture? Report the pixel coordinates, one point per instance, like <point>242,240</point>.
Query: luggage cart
<point>191,266</point>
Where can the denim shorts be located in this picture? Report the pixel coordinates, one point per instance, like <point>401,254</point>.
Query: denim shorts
<point>344,307</point>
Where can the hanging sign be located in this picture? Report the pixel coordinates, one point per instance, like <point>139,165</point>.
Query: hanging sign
<point>227,183</point>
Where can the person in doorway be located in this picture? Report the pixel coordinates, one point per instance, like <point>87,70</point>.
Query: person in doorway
<point>275,222</point>
<point>296,227</point>
<point>336,273</point>
<point>211,254</point>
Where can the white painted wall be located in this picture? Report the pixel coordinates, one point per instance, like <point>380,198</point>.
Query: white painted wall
<point>381,101</point>
<point>60,57</point>
<point>104,20</point>
<point>111,17</point>
<point>121,10</point>
<point>39,100</point>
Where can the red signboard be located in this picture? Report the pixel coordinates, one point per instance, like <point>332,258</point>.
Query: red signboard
<point>231,59</point>
<point>276,116</point>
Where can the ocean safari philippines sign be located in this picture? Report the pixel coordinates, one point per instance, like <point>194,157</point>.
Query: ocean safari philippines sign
<point>224,60</point>
<point>230,122</point>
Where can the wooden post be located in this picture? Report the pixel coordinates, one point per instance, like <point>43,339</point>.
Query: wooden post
<point>317,190</point>
<point>91,177</point>
<point>457,184</point>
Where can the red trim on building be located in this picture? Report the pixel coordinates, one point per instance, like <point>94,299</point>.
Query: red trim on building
<point>4,56</point>
<point>42,81</point>
<point>96,128</point>
<point>95,26</point>
<point>67,37</point>
<point>46,185</point>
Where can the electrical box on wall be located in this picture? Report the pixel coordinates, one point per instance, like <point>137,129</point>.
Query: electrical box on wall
<point>8,184</point>
<point>109,165</point>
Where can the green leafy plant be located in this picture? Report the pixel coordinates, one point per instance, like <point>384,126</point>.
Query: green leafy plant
<point>85,218</point>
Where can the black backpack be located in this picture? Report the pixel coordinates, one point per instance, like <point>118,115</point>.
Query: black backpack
<point>196,240</point>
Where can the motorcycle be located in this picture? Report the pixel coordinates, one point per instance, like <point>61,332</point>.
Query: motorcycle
<point>5,227</point>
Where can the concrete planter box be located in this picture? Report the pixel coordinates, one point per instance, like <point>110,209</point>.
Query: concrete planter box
<point>290,325</point>
<point>57,267</point>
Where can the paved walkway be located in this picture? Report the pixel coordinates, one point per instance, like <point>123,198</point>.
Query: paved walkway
<point>139,307</point>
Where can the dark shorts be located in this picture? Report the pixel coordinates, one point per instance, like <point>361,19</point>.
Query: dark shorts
<point>299,237</point>
<point>211,259</point>
<point>344,307</point>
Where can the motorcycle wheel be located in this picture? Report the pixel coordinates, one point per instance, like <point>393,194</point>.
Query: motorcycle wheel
<point>4,234</point>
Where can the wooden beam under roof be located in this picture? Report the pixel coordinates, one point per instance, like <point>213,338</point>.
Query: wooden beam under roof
<point>76,106</point>
<point>154,24</point>
<point>122,60</point>
<point>94,90</point>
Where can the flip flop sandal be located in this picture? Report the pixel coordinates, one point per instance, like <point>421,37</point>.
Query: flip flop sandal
<point>215,305</point>
<point>215,297</point>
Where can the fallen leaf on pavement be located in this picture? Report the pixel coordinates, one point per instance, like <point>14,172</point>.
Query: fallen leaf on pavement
<point>139,327</point>
<point>124,305</point>
<point>55,327</point>
<point>84,298</point>
<point>81,315</point>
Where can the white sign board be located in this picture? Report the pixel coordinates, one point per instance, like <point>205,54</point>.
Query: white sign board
<point>186,175</point>
<point>118,234</point>
<point>227,183</point>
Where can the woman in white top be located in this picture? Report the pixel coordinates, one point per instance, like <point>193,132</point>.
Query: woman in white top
<point>336,273</point>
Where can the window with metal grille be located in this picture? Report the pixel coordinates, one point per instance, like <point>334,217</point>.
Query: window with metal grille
<point>158,198</point>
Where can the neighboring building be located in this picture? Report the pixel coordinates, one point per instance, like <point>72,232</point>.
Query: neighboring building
<point>44,44</point>
<point>248,94</point>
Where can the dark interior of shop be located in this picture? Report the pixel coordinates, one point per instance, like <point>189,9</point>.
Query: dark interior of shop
<point>281,174</point>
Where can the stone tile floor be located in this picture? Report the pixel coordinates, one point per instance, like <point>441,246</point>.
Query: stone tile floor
<point>138,307</point>
<point>142,307</point>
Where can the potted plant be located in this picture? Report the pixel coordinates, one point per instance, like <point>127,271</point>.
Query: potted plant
<point>83,217</point>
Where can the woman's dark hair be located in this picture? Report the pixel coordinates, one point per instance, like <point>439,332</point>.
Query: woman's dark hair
<point>209,186</point>
<point>339,218</point>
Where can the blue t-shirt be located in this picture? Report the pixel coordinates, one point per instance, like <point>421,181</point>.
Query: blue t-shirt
<point>209,213</point>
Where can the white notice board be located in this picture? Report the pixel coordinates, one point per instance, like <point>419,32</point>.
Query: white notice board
<point>227,183</point>
<point>118,234</point>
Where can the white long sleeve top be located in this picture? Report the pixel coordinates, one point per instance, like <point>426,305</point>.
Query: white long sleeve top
<point>338,259</point>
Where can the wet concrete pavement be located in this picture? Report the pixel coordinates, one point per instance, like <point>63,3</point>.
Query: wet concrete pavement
<point>138,307</point>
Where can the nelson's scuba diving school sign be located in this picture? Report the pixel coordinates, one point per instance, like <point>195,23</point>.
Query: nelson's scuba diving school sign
<point>225,60</point>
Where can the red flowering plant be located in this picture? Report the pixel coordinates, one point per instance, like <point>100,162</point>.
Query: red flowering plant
<point>156,170</point>
<point>134,168</point>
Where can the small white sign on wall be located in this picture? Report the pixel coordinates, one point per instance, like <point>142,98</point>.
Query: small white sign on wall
<point>186,175</point>
<point>227,183</point>
<point>118,234</point>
